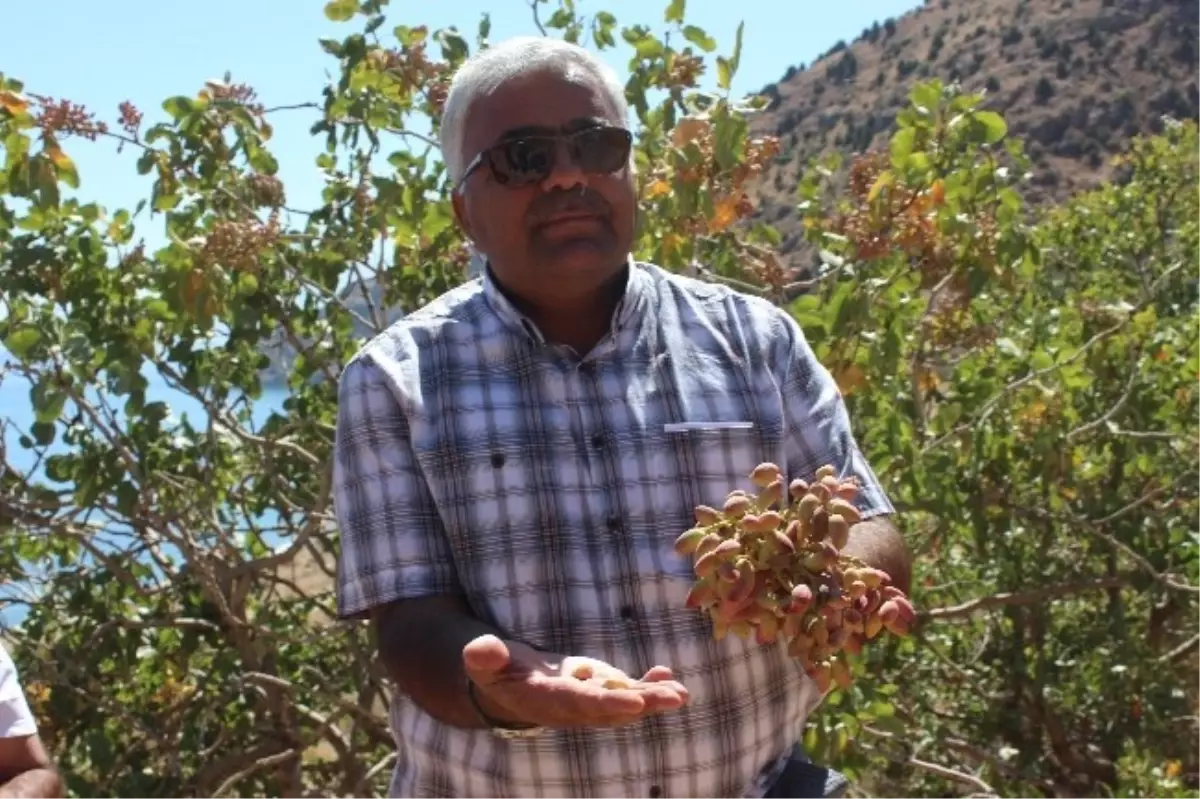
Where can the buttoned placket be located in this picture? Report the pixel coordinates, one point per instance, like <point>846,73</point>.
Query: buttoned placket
<point>578,384</point>
<point>604,503</point>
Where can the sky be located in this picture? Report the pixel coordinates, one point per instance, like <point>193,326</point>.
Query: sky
<point>102,53</point>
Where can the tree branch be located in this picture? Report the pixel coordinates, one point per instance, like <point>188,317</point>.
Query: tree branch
<point>968,609</point>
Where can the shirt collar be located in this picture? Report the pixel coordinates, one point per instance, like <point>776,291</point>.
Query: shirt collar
<point>628,306</point>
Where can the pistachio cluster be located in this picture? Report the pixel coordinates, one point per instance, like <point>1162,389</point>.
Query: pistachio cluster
<point>772,565</point>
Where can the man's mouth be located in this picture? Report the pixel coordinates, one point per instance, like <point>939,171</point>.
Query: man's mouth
<point>570,218</point>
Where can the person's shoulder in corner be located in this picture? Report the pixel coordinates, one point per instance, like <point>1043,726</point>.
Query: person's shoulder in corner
<point>25,766</point>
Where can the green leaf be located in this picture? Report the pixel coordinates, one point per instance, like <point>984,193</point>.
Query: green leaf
<point>178,107</point>
<point>1009,347</point>
<point>649,48</point>
<point>454,46</point>
<point>341,10</point>
<point>48,400</point>
<point>146,162</point>
<point>46,182</point>
<point>994,126</point>
<point>22,340</point>
<point>247,284</point>
<point>675,11</point>
<point>902,146</point>
<point>58,468</point>
<point>735,60</point>
<point>724,73</point>
<point>44,432</point>
<point>262,161</point>
<point>408,37</point>
<point>729,134</point>
<point>892,724</point>
<point>697,36</point>
<point>926,96</point>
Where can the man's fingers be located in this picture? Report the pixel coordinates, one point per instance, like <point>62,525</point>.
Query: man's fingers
<point>567,702</point>
<point>674,695</point>
<point>484,657</point>
<point>658,674</point>
<point>575,696</point>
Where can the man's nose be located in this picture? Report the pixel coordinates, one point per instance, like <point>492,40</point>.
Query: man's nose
<point>566,174</point>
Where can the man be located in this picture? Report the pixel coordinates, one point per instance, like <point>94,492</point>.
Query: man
<point>515,459</point>
<point>25,768</point>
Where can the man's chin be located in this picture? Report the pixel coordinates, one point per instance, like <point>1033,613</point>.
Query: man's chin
<point>583,254</point>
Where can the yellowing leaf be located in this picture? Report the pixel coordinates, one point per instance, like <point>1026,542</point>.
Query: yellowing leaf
<point>724,214</point>
<point>658,188</point>
<point>937,192</point>
<point>672,243</point>
<point>1033,412</point>
<point>58,156</point>
<point>886,178</point>
<point>928,380</point>
<point>13,102</point>
<point>63,164</point>
<point>850,379</point>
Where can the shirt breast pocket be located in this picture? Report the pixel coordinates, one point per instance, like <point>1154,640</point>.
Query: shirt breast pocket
<point>699,463</point>
<point>714,458</point>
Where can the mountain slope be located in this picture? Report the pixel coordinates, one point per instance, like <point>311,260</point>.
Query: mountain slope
<point>1074,78</point>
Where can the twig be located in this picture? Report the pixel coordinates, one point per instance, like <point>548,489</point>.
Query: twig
<point>1134,373</point>
<point>1007,769</point>
<point>968,609</point>
<point>1181,651</point>
<point>315,519</point>
<point>292,107</point>
<point>258,765</point>
<point>951,774</point>
<point>533,6</point>
<point>364,784</point>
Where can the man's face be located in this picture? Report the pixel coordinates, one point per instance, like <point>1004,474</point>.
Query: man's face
<point>564,234</point>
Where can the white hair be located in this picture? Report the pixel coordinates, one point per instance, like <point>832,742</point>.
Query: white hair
<point>489,69</point>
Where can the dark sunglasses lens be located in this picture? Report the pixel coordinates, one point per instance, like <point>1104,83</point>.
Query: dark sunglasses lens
<point>602,150</point>
<point>523,161</point>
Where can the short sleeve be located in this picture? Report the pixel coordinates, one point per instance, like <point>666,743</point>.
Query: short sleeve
<point>392,541</point>
<point>16,721</point>
<point>817,428</point>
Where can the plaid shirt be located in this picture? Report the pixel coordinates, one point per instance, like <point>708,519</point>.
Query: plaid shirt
<point>472,456</point>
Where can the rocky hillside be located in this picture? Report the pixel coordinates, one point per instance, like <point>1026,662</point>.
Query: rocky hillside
<point>1074,78</point>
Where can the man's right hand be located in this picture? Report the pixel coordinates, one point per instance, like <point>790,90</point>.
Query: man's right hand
<point>518,684</point>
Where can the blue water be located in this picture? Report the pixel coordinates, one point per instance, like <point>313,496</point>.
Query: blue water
<point>17,411</point>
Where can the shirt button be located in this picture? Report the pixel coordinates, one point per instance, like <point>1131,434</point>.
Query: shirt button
<point>598,441</point>
<point>626,612</point>
<point>655,792</point>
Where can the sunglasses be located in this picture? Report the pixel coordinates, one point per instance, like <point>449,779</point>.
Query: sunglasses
<point>528,160</point>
